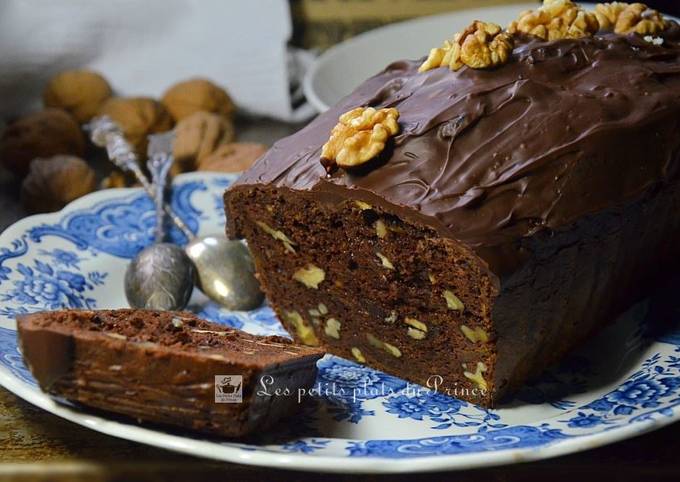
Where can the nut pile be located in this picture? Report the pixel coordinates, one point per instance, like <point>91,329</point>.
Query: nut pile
<point>625,18</point>
<point>556,19</point>
<point>45,150</point>
<point>485,45</point>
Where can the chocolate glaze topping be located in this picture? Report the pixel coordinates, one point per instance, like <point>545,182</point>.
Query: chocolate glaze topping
<point>566,128</point>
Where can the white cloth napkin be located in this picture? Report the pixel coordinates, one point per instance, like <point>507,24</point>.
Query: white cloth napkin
<point>143,47</point>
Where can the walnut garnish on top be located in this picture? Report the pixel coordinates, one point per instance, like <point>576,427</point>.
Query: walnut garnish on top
<point>479,46</point>
<point>556,19</point>
<point>359,136</point>
<point>623,18</point>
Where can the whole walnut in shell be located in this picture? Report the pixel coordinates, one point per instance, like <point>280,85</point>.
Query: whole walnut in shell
<point>234,157</point>
<point>190,96</point>
<point>78,92</point>
<point>56,181</point>
<point>42,134</point>
<point>138,117</point>
<point>197,136</point>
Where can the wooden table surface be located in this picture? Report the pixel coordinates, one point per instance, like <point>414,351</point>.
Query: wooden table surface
<point>35,445</point>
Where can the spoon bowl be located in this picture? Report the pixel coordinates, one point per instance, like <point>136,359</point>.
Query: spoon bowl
<point>226,272</point>
<point>161,277</point>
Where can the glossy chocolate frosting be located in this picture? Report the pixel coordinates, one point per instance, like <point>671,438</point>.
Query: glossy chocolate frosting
<point>565,128</point>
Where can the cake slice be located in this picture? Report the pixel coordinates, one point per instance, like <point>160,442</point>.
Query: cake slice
<point>165,367</point>
<point>465,219</point>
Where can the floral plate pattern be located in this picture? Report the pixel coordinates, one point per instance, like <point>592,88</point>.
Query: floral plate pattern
<point>625,382</point>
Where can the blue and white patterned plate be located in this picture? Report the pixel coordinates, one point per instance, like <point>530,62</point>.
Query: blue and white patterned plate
<point>627,381</point>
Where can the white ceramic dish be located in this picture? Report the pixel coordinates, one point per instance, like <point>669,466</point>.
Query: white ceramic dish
<point>344,66</point>
<point>624,383</point>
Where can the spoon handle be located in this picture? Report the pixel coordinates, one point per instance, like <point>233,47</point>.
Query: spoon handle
<point>104,132</point>
<point>160,160</point>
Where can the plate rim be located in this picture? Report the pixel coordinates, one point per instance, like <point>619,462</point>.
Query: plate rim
<point>295,461</point>
<point>323,463</point>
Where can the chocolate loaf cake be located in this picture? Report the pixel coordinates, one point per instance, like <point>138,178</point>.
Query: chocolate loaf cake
<point>165,367</point>
<point>463,220</point>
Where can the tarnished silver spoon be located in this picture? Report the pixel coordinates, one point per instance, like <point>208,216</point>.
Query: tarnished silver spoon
<point>225,270</point>
<point>161,276</point>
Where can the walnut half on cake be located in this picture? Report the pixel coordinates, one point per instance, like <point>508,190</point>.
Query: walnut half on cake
<point>466,219</point>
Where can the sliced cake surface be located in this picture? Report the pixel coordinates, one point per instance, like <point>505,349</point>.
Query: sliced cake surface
<point>166,367</point>
<point>514,210</point>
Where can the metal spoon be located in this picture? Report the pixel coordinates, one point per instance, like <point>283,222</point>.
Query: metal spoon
<point>226,272</point>
<point>161,277</point>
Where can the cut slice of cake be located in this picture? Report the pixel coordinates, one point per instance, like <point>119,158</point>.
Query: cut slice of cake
<point>166,367</point>
<point>464,220</point>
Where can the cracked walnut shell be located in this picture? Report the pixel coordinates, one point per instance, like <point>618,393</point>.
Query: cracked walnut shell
<point>197,137</point>
<point>623,18</point>
<point>232,157</point>
<point>78,92</point>
<point>479,46</point>
<point>138,117</point>
<point>556,19</point>
<point>359,136</point>
<point>194,95</point>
